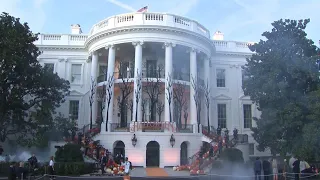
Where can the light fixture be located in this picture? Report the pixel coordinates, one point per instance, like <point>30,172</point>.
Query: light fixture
<point>172,140</point>
<point>134,140</point>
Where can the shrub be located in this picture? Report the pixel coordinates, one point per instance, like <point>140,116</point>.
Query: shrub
<point>73,169</point>
<point>233,155</point>
<point>69,153</point>
<point>63,169</point>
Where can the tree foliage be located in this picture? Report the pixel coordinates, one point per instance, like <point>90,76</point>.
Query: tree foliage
<point>69,153</point>
<point>126,89</point>
<point>153,89</point>
<point>29,93</point>
<point>283,81</point>
<point>92,97</point>
<point>180,97</point>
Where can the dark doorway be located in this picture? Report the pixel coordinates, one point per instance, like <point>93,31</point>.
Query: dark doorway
<point>184,153</point>
<point>153,154</point>
<point>119,151</point>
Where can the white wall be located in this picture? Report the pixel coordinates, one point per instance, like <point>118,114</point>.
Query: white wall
<point>169,156</point>
<point>232,94</point>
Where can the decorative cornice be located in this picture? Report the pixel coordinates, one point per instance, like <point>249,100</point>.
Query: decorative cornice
<point>114,31</point>
<point>60,47</point>
<point>234,66</point>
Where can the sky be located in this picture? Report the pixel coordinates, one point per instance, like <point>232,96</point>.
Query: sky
<point>239,20</point>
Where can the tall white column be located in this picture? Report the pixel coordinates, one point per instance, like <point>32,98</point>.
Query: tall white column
<point>193,76</point>
<point>169,82</point>
<point>94,68</point>
<point>111,61</point>
<point>137,109</point>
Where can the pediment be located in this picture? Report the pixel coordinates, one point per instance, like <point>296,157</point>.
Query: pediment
<point>75,93</point>
<point>243,97</point>
<point>222,97</point>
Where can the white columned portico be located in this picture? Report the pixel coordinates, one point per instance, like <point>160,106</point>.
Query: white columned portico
<point>193,77</point>
<point>111,62</point>
<point>137,115</point>
<point>169,81</point>
<point>94,68</point>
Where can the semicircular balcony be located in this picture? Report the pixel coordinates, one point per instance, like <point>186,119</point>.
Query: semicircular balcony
<point>149,19</point>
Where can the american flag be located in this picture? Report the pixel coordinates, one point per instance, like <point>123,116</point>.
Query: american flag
<point>144,9</point>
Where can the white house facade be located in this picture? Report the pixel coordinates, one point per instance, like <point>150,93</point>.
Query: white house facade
<point>132,52</point>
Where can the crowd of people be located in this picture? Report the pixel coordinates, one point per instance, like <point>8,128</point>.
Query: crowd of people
<point>275,169</point>
<point>107,160</point>
<point>20,171</point>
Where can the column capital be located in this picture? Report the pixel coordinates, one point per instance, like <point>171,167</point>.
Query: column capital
<point>110,46</point>
<point>94,53</point>
<point>193,49</point>
<point>136,43</point>
<point>169,44</point>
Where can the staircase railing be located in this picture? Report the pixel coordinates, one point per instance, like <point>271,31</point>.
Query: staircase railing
<point>90,148</point>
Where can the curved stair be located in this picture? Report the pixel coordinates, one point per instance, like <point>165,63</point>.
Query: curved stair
<point>196,167</point>
<point>92,150</point>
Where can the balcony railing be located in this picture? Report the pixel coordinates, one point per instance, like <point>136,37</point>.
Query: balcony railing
<point>149,19</point>
<point>152,127</point>
<point>120,127</point>
<point>185,128</point>
<point>79,40</point>
<point>150,74</point>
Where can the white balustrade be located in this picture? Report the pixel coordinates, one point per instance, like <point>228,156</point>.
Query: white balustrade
<point>156,19</point>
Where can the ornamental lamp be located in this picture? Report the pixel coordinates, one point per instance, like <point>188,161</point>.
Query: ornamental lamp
<point>134,140</point>
<point>172,140</point>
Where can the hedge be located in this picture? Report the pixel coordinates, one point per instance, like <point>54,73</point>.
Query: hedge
<point>63,169</point>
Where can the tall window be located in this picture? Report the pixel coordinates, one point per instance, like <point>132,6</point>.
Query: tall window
<point>221,77</point>
<point>124,68</point>
<point>251,149</point>
<point>247,116</point>
<point>151,68</point>
<point>76,73</point>
<point>49,67</point>
<point>222,115</point>
<point>244,75</point>
<point>74,109</point>
<point>103,70</point>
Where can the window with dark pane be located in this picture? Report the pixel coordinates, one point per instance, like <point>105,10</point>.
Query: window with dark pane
<point>222,115</point>
<point>49,67</point>
<point>251,149</point>
<point>74,109</point>
<point>221,77</point>
<point>244,75</point>
<point>76,73</point>
<point>247,116</point>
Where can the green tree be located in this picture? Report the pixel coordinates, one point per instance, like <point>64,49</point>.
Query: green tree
<point>29,93</point>
<point>282,76</point>
<point>69,153</point>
